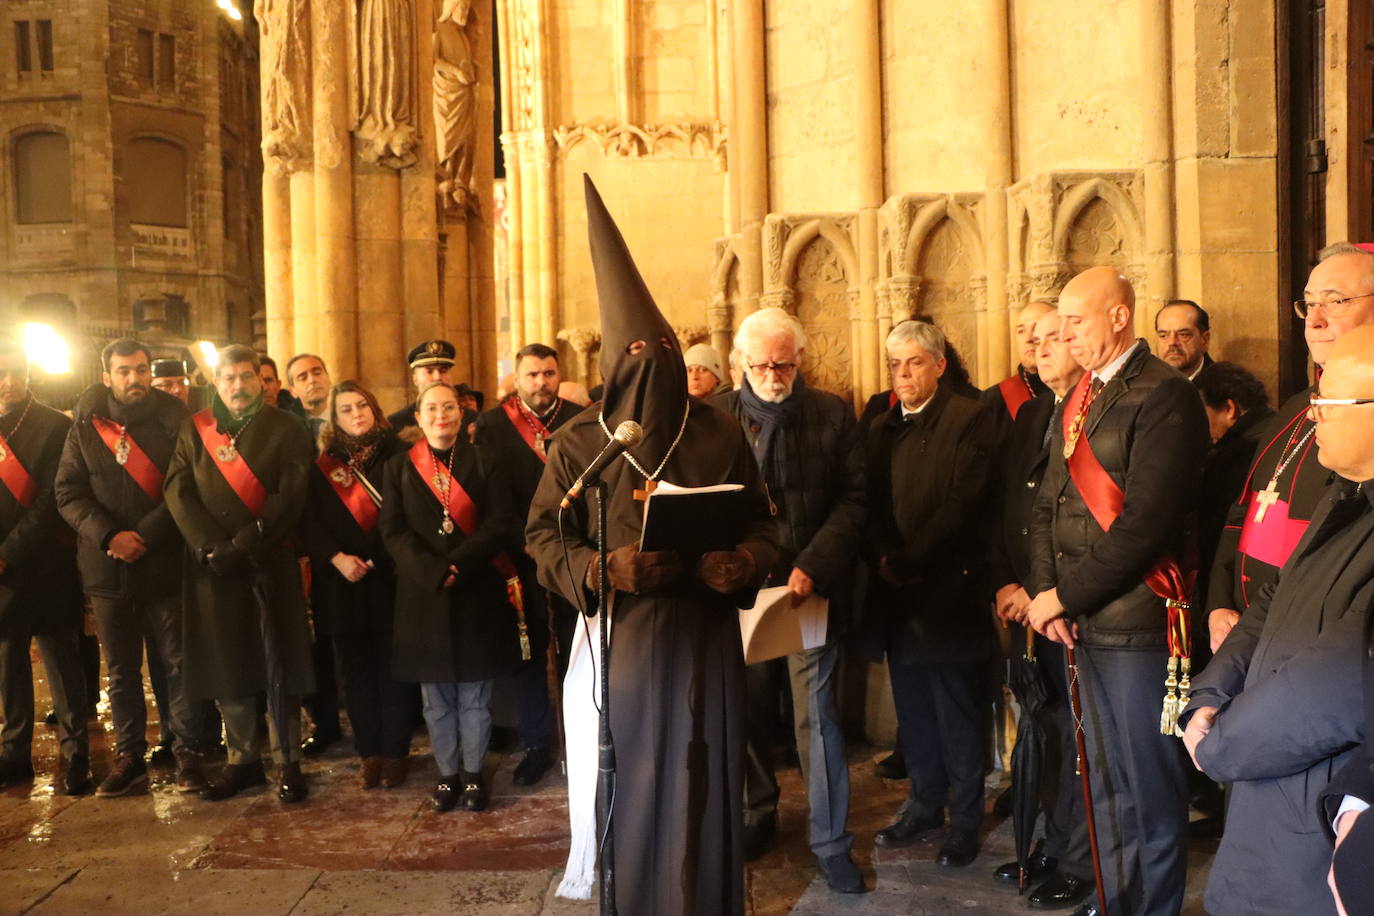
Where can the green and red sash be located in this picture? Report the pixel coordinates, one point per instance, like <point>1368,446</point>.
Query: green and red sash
<point>235,469</point>
<point>344,481</point>
<point>15,476</point>
<point>1015,392</point>
<point>136,461</point>
<point>1166,578</point>
<point>530,427</point>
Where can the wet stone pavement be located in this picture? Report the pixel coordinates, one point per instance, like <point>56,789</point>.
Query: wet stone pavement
<point>350,851</point>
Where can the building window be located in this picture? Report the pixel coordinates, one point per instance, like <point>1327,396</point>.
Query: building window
<point>143,57</point>
<point>155,182</point>
<point>43,178</point>
<point>33,46</point>
<point>166,63</point>
<point>155,60</point>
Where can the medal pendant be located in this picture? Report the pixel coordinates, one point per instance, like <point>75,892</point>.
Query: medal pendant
<point>226,453</point>
<point>1266,498</point>
<point>446,526</point>
<point>341,476</point>
<point>439,481</point>
<point>539,443</point>
<point>3,453</point>
<point>122,452</point>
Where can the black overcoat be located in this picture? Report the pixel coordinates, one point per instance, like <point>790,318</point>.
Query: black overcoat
<point>1354,878</point>
<point>328,528</point>
<point>40,590</point>
<point>1018,469</point>
<point>466,632</point>
<point>98,497</point>
<point>222,635</point>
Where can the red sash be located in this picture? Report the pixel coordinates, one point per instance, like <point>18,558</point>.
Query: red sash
<point>136,461</point>
<point>15,476</point>
<point>461,508</point>
<point>351,493</point>
<point>236,471</point>
<point>1015,392</point>
<point>527,425</point>
<point>1166,578</point>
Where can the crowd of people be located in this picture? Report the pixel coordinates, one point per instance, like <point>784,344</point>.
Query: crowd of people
<point>1136,519</point>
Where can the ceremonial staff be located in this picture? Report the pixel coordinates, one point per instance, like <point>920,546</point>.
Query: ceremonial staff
<point>1076,705</point>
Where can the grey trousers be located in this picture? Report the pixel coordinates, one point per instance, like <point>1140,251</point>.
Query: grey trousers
<point>458,714</point>
<point>820,744</point>
<point>241,718</point>
<point>122,623</point>
<point>61,654</point>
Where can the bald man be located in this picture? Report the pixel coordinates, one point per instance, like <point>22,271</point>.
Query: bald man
<point>1005,399</point>
<point>1279,709</point>
<point>1125,463</point>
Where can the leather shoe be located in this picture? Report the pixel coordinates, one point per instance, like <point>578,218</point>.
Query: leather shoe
<point>446,793</point>
<point>370,772</point>
<point>318,743</point>
<point>908,829</point>
<point>532,768</point>
<point>14,768</point>
<point>961,848</point>
<point>77,780</point>
<point>1060,892</point>
<point>1087,908</point>
<point>841,874</point>
<point>758,836</point>
<point>1038,865</point>
<point>893,766</point>
<point>394,771</point>
<point>474,797</point>
<point>293,788</point>
<point>233,779</point>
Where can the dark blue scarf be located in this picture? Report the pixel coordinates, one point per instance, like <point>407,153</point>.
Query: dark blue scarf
<point>771,447</point>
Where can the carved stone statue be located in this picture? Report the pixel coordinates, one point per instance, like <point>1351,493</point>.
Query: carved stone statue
<point>387,119</point>
<point>455,105</point>
<point>284,39</point>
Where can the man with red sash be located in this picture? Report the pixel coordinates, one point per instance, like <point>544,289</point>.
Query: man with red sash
<point>40,593</point>
<point>109,490</point>
<point>515,435</point>
<point>1108,532</point>
<point>1003,401</point>
<point>236,486</point>
<point>1260,533</point>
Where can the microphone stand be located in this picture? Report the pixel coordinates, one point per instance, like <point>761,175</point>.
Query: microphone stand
<point>606,756</point>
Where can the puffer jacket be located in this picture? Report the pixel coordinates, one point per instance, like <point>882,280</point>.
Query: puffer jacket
<point>98,497</point>
<point>822,503</point>
<point>1148,430</point>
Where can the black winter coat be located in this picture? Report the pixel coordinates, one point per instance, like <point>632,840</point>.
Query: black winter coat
<point>821,502</point>
<point>466,632</point>
<point>1020,467</point>
<point>39,589</point>
<point>1354,879</point>
<point>1148,430</point>
<point>340,606</point>
<point>1223,477</point>
<point>99,498</point>
<point>928,485</point>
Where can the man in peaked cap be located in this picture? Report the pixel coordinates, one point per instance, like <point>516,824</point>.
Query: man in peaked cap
<point>169,375</point>
<point>677,669</point>
<point>430,361</point>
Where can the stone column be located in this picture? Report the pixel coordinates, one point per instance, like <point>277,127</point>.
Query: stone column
<point>868,134</point>
<point>420,262</point>
<point>335,267</point>
<point>304,299</point>
<point>515,255</point>
<point>276,260</point>
<point>994,320</point>
<point>381,284</point>
<point>623,53</point>
<point>749,134</point>
<point>530,241</point>
<point>547,225</point>
<point>1156,83</point>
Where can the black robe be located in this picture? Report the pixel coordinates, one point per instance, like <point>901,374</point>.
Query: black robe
<point>466,632</point>
<point>677,671</point>
<point>1287,685</point>
<point>39,589</point>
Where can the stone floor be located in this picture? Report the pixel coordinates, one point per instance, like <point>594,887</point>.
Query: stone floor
<point>347,851</point>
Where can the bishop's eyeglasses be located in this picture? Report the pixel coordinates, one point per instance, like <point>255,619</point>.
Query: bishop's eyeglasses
<point>1317,405</point>
<point>1334,308</point>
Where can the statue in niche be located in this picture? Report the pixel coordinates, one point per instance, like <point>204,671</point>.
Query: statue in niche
<point>386,83</point>
<point>284,39</point>
<point>455,105</point>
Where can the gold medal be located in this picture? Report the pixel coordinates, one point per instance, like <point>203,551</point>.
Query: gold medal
<point>226,453</point>
<point>122,451</point>
<point>446,526</point>
<point>341,476</point>
<point>440,481</point>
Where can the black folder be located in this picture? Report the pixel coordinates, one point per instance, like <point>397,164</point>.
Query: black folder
<point>693,520</point>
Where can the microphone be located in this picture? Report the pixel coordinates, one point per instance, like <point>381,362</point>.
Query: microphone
<point>626,435</point>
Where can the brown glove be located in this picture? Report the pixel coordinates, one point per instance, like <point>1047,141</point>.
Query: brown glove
<point>726,571</point>
<point>632,571</point>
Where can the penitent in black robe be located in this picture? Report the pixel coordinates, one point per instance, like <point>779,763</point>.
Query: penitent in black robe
<point>677,671</point>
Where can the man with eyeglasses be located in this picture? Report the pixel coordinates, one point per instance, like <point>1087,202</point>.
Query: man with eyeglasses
<point>1279,709</point>
<point>1286,481</point>
<point>808,448</point>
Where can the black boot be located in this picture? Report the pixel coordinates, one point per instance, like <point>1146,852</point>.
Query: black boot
<point>293,788</point>
<point>77,780</point>
<point>233,779</point>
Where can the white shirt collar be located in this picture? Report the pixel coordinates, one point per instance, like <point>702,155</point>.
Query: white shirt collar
<point>1109,371</point>
<point>919,407</point>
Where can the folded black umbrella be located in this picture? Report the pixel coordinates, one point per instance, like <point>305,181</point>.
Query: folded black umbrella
<point>1027,681</point>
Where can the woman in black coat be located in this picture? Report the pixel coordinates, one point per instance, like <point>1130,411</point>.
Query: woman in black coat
<point>353,581</point>
<point>447,523</point>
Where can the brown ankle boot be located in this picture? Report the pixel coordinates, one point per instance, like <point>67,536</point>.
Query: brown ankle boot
<point>394,771</point>
<point>371,772</point>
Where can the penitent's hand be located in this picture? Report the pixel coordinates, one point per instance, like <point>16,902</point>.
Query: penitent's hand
<point>726,571</point>
<point>633,571</point>
<point>1219,623</point>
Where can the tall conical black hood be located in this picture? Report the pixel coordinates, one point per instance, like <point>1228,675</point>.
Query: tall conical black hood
<point>648,385</point>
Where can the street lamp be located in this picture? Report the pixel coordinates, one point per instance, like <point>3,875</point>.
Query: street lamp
<point>46,349</point>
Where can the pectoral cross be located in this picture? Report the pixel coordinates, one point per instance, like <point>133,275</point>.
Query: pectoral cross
<point>1266,498</point>
<point>649,487</point>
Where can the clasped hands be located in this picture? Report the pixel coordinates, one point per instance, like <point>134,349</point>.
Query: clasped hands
<point>1045,614</point>
<point>629,569</point>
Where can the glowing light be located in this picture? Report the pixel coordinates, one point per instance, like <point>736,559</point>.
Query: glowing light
<point>208,354</point>
<point>234,13</point>
<point>46,349</point>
